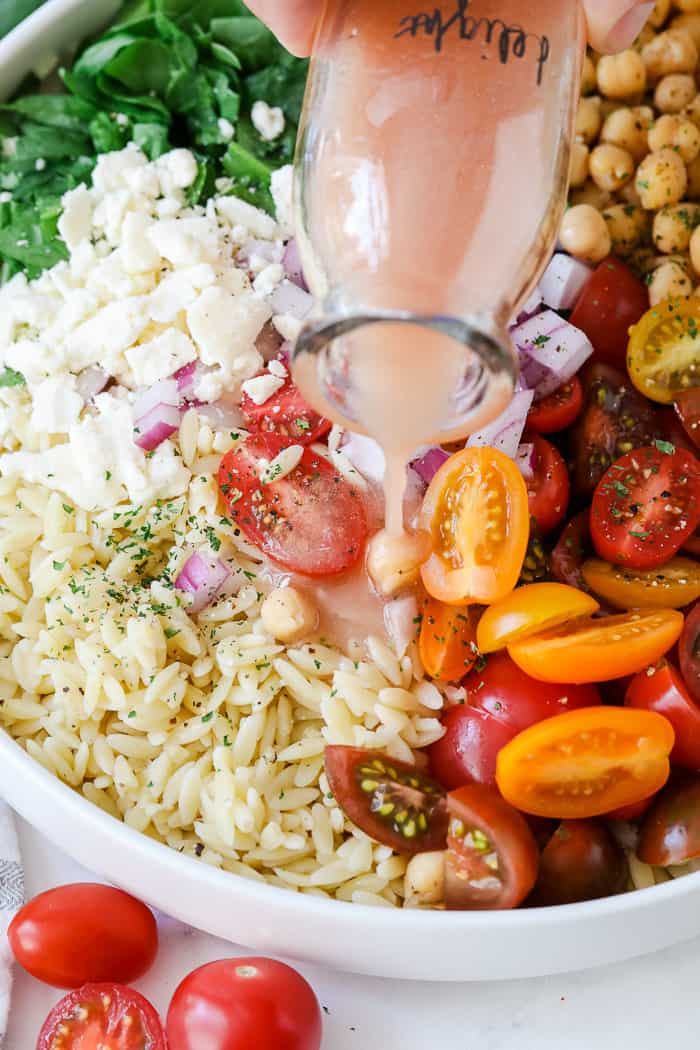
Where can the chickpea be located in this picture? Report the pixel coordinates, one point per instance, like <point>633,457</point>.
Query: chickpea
<point>288,615</point>
<point>687,6</point>
<point>611,167</point>
<point>695,249</point>
<point>672,132</point>
<point>394,562</point>
<point>626,224</point>
<point>674,92</point>
<point>660,13</point>
<point>622,75</point>
<point>673,51</point>
<point>588,119</point>
<point>628,195</point>
<point>661,179</point>
<point>588,77</point>
<point>628,128</point>
<point>424,881</point>
<point>644,37</point>
<point>584,233</point>
<point>693,170</point>
<point>673,227</point>
<point>692,111</point>
<point>589,193</point>
<point>691,24</point>
<point>669,279</point>
<point>579,164</point>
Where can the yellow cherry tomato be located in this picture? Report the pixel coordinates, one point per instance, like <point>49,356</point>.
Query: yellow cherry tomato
<point>663,354</point>
<point>672,586</point>
<point>476,512</point>
<point>535,607</point>
<point>447,643</point>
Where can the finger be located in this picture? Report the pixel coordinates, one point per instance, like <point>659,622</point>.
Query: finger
<point>614,24</point>
<point>292,21</point>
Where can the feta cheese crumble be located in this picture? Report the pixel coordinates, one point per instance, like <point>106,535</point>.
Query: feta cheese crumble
<point>268,121</point>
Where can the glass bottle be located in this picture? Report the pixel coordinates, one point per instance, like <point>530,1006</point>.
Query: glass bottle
<point>430,180</point>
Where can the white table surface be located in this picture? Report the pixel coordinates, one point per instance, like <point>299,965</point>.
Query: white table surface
<point>628,1007</point>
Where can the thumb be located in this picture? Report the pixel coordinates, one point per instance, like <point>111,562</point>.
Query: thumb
<point>292,21</point>
<point>614,24</point>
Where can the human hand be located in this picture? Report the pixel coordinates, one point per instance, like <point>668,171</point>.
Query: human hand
<point>612,24</point>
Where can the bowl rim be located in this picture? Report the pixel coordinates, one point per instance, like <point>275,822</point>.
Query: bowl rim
<point>17,763</point>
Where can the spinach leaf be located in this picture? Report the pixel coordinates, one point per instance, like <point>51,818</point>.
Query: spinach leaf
<point>12,12</point>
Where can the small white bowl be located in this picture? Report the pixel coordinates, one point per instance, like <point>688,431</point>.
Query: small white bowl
<point>421,945</point>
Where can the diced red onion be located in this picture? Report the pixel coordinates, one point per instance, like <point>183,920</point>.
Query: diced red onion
<point>531,306</point>
<point>269,342</point>
<point>427,466</point>
<point>506,431</point>
<point>525,461</point>
<point>563,281</point>
<point>291,260</point>
<point>185,378</point>
<point>202,576</point>
<point>91,382</point>
<point>288,298</point>
<point>551,351</point>
<point>267,250</point>
<point>164,392</point>
<point>365,455</point>
<point>222,414</point>
<point>400,620</point>
<point>158,424</point>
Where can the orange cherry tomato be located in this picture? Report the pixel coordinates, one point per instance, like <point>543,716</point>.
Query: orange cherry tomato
<point>585,763</point>
<point>447,642</point>
<point>476,511</point>
<point>599,650</point>
<point>528,610</point>
<point>671,586</point>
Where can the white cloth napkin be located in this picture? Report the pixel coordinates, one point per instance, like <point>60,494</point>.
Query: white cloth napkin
<point>11,898</point>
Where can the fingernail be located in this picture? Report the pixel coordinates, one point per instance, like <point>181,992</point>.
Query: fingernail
<point>627,29</point>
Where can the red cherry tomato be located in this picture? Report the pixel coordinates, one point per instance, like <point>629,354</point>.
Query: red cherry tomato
<point>670,833</point>
<point>501,701</point>
<point>102,1017</point>
<point>557,411</point>
<point>611,301</point>
<point>548,491</point>
<point>244,1004</point>
<point>692,544</point>
<point>689,652</point>
<point>286,414</point>
<point>687,406</point>
<point>581,862</point>
<point>117,934</point>
<point>492,855</point>
<point>632,812</point>
<point>615,420</point>
<point>571,551</point>
<point>310,521</point>
<point>390,801</point>
<point>661,689</point>
<point>646,506</point>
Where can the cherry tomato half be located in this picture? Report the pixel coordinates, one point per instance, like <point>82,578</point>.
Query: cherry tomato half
<point>611,301</point>
<point>476,512</point>
<point>586,763</point>
<point>390,801</point>
<point>447,642</point>
<point>492,855</point>
<point>571,550</point>
<point>241,1004</point>
<point>670,833</point>
<point>310,521</point>
<point>646,506</point>
<point>689,652</point>
<point>117,934</point>
<point>599,650</point>
<point>663,356</point>
<point>102,1015</point>
<point>661,689</point>
<point>672,585</point>
<point>286,414</point>
<point>687,406</point>
<point>558,411</point>
<point>529,609</point>
<point>581,862</point>
<point>548,490</point>
<point>501,701</point>
<point>615,420</point>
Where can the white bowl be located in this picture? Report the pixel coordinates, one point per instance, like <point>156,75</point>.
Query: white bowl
<point>421,945</point>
